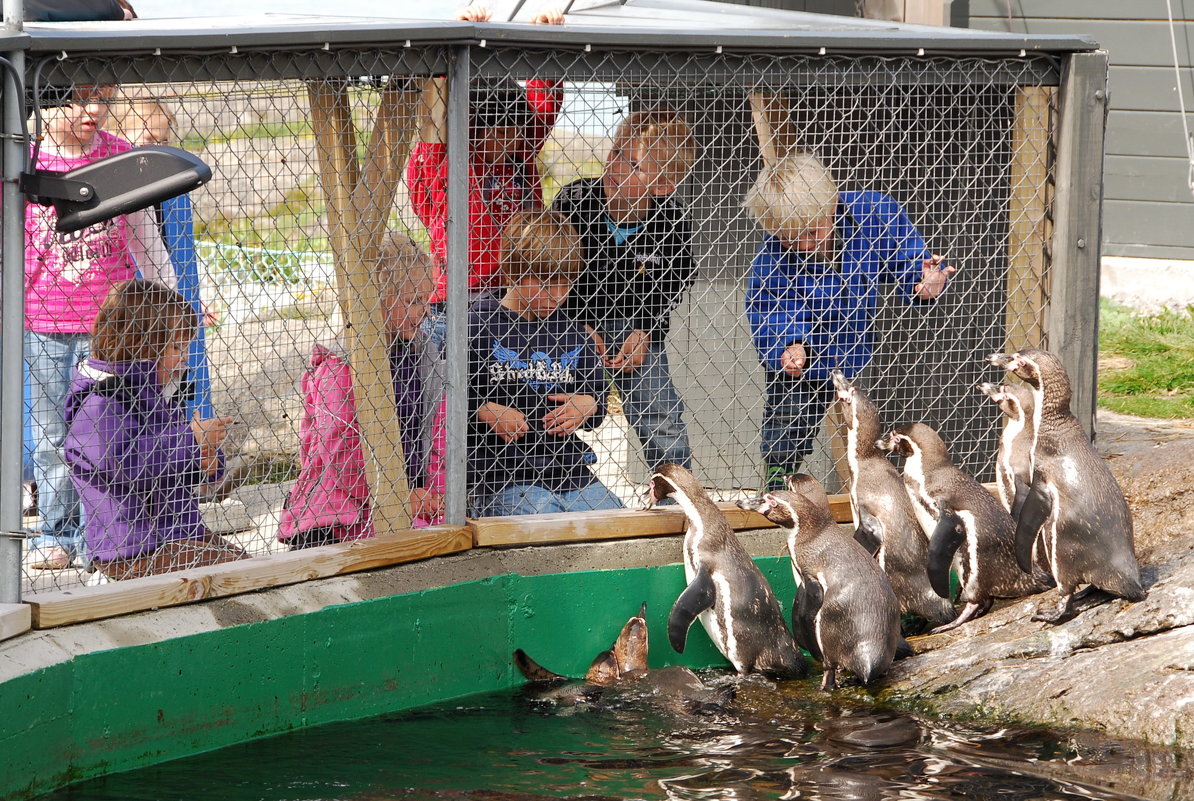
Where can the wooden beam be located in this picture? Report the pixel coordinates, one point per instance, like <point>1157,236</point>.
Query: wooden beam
<point>14,619</point>
<point>357,219</point>
<point>625,524</point>
<point>64,607</point>
<point>925,12</point>
<point>1029,229</point>
<point>772,114</point>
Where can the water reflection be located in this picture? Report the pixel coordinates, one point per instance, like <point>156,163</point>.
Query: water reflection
<point>786,741</point>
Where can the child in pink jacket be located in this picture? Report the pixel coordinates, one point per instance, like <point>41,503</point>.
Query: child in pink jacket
<point>329,501</point>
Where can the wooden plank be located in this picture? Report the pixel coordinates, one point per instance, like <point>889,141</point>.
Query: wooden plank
<point>1029,230</point>
<point>605,525</point>
<point>1145,133</point>
<point>1138,43</point>
<point>1148,179</point>
<point>356,227</point>
<point>1140,222</point>
<point>925,12</point>
<point>1146,88</point>
<point>983,12</point>
<point>15,619</point>
<point>65,607</point>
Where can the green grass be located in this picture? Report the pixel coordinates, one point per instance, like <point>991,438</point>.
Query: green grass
<point>1146,361</point>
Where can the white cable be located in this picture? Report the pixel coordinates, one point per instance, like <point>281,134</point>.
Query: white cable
<point>1181,100</point>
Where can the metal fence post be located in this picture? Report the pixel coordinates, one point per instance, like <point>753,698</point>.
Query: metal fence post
<point>456,354</point>
<point>1077,234</point>
<point>12,287</point>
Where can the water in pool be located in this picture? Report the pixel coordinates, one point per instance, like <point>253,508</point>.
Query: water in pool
<point>745,739</point>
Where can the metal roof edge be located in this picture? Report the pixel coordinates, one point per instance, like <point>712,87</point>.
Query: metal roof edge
<point>143,36</point>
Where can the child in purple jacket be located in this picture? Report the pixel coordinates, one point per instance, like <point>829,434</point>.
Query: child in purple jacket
<point>135,458</point>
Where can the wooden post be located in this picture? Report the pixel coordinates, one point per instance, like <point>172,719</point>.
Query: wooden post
<point>1077,227</point>
<point>1029,228</point>
<point>358,208</point>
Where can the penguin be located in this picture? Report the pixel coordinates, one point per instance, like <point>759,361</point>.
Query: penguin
<point>725,587</point>
<point>846,613</point>
<point>1072,499</point>
<point>624,666</point>
<point>1013,461</point>
<point>884,519</point>
<point>957,510</point>
<point>1013,464</point>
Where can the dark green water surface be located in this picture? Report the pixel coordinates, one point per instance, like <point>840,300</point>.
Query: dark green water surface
<point>770,742</point>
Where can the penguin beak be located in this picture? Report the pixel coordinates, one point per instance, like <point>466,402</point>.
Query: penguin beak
<point>753,504</point>
<point>1007,361</point>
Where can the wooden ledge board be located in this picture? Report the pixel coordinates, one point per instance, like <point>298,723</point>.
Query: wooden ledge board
<point>14,619</point>
<point>613,525</point>
<point>64,607</point>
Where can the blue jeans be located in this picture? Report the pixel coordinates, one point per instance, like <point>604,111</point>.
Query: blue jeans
<point>793,409</point>
<point>49,359</point>
<point>531,499</point>
<point>649,399</point>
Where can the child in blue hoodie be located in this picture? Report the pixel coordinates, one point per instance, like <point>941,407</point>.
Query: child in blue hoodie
<point>814,289</point>
<point>135,457</point>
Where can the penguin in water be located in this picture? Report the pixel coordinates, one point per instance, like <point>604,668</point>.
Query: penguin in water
<point>885,522</point>
<point>725,589</point>
<point>1073,501</point>
<point>846,613</point>
<point>956,510</point>
<point>1013,461</point>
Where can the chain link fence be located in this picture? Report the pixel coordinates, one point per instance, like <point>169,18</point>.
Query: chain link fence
<point>311,260</point>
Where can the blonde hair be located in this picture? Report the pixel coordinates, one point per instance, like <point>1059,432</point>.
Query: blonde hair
<point>132,117</point>
<point>541,245</point>
<point>404,270</point>
<point>790,196</point>
<point>663,132</point>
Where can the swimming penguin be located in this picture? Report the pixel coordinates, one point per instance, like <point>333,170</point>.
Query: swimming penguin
<point>845,601</point>
<point>624,665</point>
<point>1013,461</point>
<point>1073,500</point>
<point>725,587</point>
<point>960,511</point>
<point>885,522</point>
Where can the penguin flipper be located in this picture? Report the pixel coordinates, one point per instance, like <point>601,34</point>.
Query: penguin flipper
<point>947,538</point>
<point>532,670</point>
<point>869,533</point>
<point>809,598</point>
<point>1037,508</point>
<point>696,598</point>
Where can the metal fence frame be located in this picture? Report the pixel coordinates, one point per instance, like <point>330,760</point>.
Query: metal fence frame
<point>1071,326</point>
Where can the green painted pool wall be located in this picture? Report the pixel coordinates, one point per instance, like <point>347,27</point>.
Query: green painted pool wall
<point>126,708</point>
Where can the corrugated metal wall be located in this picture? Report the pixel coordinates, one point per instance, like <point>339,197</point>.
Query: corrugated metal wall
<point>1148,209</point>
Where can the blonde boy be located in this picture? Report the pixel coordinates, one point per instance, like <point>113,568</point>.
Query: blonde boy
<point>638,267</point>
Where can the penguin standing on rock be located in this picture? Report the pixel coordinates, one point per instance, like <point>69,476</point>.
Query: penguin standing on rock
<point>885,522</point>
<point>1073,500</point>
<point>725,589</point>
<point>956,510</point>
<point>846,613</point>
<point>1013,461</point>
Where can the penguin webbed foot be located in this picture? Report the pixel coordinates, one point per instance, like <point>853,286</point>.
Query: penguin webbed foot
<point>829,679</point>
<point>1070,606</point>
<point>971,611</point>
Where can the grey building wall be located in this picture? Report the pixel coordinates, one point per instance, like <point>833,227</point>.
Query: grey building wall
<point>1148,208</point>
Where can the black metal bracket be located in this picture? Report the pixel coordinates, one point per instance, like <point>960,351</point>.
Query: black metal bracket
<point>44,187</point>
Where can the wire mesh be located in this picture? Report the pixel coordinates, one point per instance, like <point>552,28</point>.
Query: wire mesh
<point>314,263</point>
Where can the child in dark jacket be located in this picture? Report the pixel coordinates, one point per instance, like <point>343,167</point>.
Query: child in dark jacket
<point>534,381</point>
<point>135,458</point>
<point>814,289</point>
